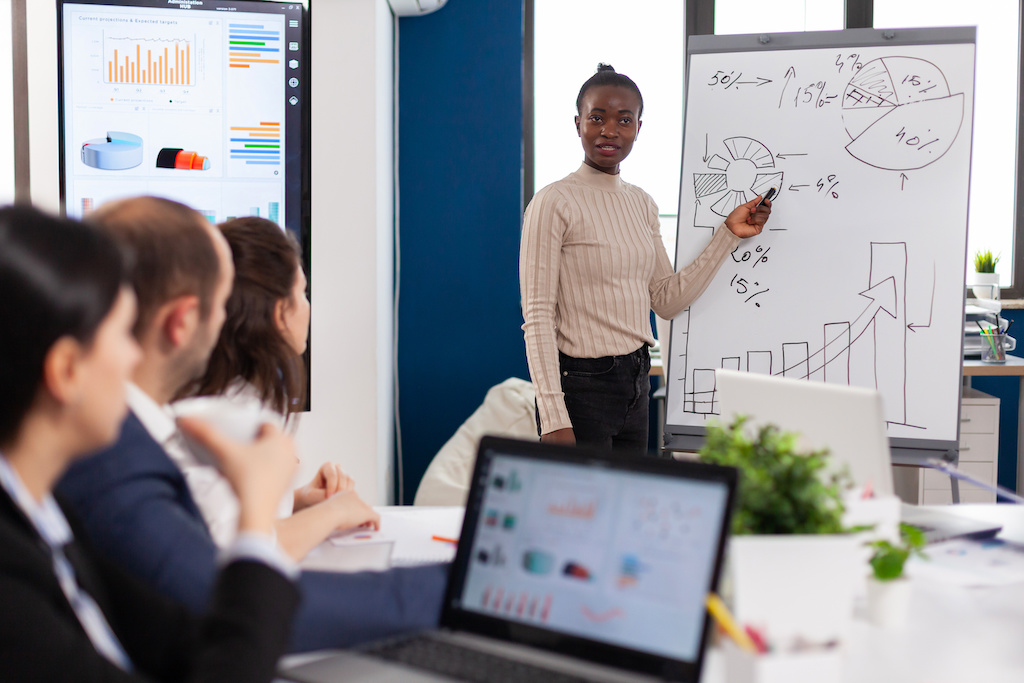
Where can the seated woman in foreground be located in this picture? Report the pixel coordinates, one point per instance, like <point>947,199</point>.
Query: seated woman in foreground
<point>257,367</point>
<point>66,353</point>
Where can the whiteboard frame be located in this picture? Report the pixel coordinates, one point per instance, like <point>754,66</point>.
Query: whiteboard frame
<point>905,451</point>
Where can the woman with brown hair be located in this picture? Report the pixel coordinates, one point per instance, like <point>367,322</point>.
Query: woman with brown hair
<point>259,353</point>
<point>257,367</point>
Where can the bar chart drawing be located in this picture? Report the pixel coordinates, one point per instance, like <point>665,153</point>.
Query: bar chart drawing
<point>150,61</point>
<point>880,324</point>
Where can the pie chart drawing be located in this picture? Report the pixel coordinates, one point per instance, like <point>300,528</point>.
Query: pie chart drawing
<point>900,114</point>
<point>748,172</point>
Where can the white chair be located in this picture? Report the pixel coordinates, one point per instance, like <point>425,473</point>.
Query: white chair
<point>507,410</point>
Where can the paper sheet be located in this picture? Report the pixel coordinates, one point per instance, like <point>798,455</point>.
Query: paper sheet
<point>965,562</point>
<point>412,531</point>
<point>352,551</point>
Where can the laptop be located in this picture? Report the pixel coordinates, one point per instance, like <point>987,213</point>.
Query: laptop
<point>850,422</point>
<point>573,564</point>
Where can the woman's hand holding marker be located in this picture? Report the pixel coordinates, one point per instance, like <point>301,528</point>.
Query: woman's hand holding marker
<point>747,220</point>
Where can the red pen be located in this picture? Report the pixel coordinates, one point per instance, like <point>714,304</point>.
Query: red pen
<point>758,638</point>
<point>453,541</point>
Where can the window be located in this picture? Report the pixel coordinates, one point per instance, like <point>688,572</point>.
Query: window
<point>649,47</point>
<point>568,44</point>
<point>648,44</point>
<point>779,16</point>
<point>991,220</point>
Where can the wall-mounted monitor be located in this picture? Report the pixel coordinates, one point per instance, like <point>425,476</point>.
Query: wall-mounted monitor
<point>205,102</point>
<point>200,101</point>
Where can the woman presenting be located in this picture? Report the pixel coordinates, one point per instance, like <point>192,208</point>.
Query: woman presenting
<point>592,266</point>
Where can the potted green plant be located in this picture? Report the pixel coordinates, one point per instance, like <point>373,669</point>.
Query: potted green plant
<point>782,490</point>
<point>984,281</point>
<point>888,586</point>
<point>793,569</point>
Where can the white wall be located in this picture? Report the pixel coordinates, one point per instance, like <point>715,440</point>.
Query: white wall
<point>352,204</point>
<point>6,110</point>
<point>41,18</point>
<point>353,217</point>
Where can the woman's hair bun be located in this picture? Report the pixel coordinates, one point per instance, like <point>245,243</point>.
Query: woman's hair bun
<point>606,75</point>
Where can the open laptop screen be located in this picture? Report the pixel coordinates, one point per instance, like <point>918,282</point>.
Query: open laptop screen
<point>618,551</point>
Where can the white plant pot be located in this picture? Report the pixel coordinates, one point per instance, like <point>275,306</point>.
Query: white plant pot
<point>889,602</point>
<point>799,585</point>
<point>984,285</point>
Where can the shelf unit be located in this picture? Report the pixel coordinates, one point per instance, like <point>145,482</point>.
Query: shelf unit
<point>979,454</point>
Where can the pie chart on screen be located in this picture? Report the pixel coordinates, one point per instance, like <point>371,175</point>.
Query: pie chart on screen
<point>900,113</point>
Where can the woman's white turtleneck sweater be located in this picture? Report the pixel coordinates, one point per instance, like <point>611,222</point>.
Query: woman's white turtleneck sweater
<point>592,265</point>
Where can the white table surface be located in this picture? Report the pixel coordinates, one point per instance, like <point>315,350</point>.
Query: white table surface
<point>955,634</point>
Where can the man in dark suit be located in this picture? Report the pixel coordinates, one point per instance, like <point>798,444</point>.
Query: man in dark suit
<point>132,498</point>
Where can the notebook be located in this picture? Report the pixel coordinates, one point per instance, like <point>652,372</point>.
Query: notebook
<point>849,421</point>
<point>573,564</point>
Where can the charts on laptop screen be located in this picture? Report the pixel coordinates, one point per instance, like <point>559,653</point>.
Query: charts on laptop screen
<point>623,558</point>
<point>200,101</point>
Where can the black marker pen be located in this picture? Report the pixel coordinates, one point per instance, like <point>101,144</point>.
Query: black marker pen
<point>767,195</point>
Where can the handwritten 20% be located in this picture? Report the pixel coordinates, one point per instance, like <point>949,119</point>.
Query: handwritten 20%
<point>760,255</point>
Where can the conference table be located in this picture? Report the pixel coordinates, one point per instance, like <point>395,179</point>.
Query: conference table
<point>962,627</point>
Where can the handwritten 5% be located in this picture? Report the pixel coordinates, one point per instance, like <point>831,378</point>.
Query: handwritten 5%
<point>830,183</point>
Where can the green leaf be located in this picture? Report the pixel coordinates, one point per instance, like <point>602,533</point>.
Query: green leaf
<point>985,262</point>
<point>782,491</point>
<point>888,564</point>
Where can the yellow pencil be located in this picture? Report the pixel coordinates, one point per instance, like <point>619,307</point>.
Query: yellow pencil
<point>724,618</point>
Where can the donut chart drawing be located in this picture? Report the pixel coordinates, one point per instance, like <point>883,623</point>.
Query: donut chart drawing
<point>739,179</point>
<point>900,114</point>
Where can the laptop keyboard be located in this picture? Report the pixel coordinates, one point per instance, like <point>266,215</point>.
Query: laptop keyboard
<point>465,663</point>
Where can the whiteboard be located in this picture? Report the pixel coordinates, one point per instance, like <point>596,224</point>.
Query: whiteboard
<point>858,277</point>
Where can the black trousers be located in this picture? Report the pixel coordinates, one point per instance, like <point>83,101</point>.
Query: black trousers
<point>608,400</point>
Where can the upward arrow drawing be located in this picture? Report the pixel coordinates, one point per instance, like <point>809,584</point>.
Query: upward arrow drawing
<point>881,297</point>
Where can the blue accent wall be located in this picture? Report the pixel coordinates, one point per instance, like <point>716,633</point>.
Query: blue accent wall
<point>460,132</point>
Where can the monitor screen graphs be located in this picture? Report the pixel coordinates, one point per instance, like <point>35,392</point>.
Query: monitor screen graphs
<point>200,101</point>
